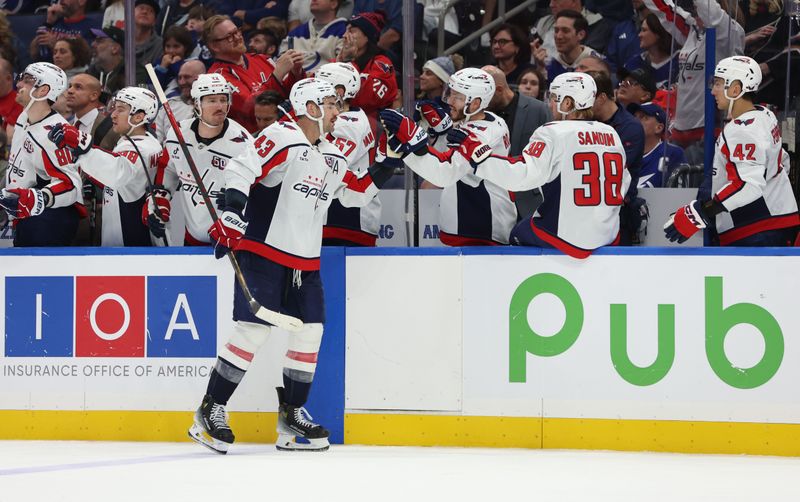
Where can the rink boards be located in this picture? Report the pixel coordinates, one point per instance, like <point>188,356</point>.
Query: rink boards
<point>633,349</point>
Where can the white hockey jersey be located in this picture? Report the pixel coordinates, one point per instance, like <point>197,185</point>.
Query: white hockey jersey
<point>353,136</point>
<point>35,162</point>
<point>211,156</point>
<point>290,184</point>
<point>692,82</point>
<point>750,178</point>
<point>580,167</point>
<point>125,183</point>
<point>472,211</point>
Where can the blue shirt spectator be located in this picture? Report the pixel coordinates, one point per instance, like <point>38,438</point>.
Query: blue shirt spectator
<point>623,45</point>
<point>660,158</point>
<point>252,11</point>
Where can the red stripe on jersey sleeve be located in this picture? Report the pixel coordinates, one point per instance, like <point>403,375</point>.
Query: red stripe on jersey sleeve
<point>441,156</point>
<point>64,184</point>
<point>161,166</point>
<point>357,184</point>
<point>736,183</point>
<point>672,16</point>
<point>272,163</point>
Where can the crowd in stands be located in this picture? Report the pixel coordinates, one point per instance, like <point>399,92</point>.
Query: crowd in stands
<point>647,58</point>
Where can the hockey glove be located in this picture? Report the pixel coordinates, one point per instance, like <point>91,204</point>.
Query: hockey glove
<point>436,116</point>
<point>227,232</point>
<point>68,136</point>
<point>685,222</point>
<point>155,212</point>
<point>468,146</point>
<point>21,203</point>
<point>408,137</point>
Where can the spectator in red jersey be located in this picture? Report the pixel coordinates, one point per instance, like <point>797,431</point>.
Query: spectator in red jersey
<point>9,108</point>
<point>249,74</point>
<point>378,80</point>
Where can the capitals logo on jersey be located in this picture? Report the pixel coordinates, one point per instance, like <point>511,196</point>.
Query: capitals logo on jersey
<point>746,122</point>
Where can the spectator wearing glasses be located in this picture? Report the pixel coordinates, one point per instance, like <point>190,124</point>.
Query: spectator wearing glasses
<point>511,51</point>
<point>109,63</point>
<point>249,74</point>
<point>636,87</point>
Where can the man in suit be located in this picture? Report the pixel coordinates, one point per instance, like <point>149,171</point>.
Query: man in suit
<point>523,115</point>
<point>83,99</point>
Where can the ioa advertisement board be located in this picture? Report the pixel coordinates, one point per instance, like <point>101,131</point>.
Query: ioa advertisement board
<point>640,337</point>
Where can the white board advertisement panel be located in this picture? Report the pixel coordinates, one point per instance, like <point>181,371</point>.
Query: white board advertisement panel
<point>710,338</point>
<point>121,333</point>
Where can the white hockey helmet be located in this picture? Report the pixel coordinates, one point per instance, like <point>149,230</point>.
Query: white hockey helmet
<point>47,74</point>
<point>741,68</point>
<point>140,100</point>
<point>208,84</point>
<point>473,83</point>
<point>310,89</point>
<point>344,74</point>
<point>578,86</point>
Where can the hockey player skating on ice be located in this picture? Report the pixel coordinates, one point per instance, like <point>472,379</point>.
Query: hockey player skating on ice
<point>122,173</point>
<point>42,193</point>
<point>753,203</point>
<point>350,226</point>
<point>213,139</point>
<point>275,202</point>
<point>579,165</point>
<point>473,212</point>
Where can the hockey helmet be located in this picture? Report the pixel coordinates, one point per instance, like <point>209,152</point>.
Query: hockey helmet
<point>578,86</point>
<point>208,84</point>
<point>140,100</point>
<point>741,68</point>
<point>310,89</point>
<point>47,74</point>
<point>472,83</point>
<point>344,74</point>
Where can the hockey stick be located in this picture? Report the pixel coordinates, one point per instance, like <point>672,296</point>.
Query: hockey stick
<point>284,321</point>
<point>149,185</point>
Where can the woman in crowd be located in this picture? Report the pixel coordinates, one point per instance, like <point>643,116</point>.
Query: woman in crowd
<point>360,47</point>
<point>656,52</point>
<point>178,46</point>
<point>72,55</point>
<point>532,83</point>
<point>511,50</point>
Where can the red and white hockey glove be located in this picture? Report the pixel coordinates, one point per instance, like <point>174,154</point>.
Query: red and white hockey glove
<point>21,203</point>
<point>67,136</point>
<point>408,136</point>
<point>468,145</point>
<point>685,222</point>
<point>436,116</point>
<point>227,232</point>
<point>156,210</point>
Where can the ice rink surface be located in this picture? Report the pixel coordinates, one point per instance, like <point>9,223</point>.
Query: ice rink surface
<point>39,471</point>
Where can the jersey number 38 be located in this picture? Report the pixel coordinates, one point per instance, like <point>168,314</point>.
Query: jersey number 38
<point>591,193</point>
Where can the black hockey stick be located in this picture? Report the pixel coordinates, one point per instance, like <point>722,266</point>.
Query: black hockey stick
<point>284,321</point>
<point>149,185</point>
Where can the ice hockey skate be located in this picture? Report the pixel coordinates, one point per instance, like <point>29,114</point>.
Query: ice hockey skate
<point>296,431</point>
<point>210,427</point>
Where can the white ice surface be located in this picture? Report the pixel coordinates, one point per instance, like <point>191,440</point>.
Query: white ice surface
<point>34,471</point>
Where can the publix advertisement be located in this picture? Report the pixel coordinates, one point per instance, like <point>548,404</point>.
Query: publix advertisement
<point>709,338</point>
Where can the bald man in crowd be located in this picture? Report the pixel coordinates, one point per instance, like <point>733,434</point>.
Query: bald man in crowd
<point>181,105</point>
<point>523,115</point>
